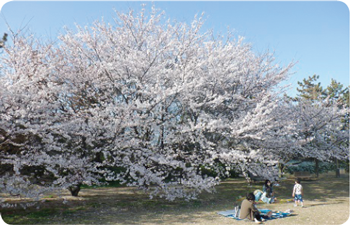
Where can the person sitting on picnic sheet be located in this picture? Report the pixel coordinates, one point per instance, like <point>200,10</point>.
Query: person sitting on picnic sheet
<point>259,195</point>
<point>248,210</point>
<point>268,194</point>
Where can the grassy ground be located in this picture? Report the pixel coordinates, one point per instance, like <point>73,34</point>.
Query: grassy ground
<point>326,201</point>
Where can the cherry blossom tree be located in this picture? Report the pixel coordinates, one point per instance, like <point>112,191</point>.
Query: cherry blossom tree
<point>321,118</point>
<point>155,99</point>
<point>320,131</point>
<point>24,107</point>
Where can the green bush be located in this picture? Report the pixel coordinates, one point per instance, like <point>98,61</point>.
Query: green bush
<point>309,166</point>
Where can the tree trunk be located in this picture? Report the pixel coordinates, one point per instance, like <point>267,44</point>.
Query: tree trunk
<point>316,167</point>
<point>280,168</point>
<point>337,170</point>
<point>74,190</point>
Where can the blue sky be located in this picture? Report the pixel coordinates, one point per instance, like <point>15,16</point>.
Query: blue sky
<point>316,34</point>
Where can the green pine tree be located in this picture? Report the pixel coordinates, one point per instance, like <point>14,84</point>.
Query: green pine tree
<point>3,40</point>
<point>310,89</point>
<point>337,93</point>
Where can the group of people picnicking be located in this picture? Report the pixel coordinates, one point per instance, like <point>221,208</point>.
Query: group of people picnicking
<point>267,195</point>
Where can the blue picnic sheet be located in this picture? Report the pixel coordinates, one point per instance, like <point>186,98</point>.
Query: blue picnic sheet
<point>275,215</point>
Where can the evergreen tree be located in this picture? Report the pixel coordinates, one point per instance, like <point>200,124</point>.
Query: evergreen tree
<point>310,89</point>
<point>3,40</point>
<point>336,92</point>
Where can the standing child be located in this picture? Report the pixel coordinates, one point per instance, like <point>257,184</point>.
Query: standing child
<point>298,193</point>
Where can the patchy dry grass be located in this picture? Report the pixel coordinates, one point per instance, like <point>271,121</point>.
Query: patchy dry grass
<point>326,201</point>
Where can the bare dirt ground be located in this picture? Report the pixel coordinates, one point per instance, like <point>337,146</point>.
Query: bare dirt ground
<point>326,202</point>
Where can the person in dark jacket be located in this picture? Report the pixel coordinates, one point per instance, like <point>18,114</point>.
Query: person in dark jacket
<point>268,193</point>
<point>268,189</point>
